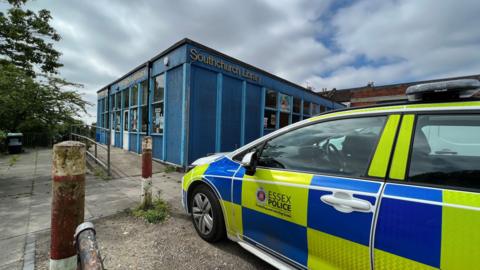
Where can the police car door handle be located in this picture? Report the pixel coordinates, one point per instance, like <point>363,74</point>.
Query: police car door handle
<point>346,203</point>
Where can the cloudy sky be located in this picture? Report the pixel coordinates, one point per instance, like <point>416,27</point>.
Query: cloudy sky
<point>318,43</point>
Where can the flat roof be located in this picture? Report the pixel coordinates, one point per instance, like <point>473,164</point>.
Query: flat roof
<point>227,57</point>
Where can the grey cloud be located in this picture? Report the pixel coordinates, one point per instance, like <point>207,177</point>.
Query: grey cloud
<point>102,40</point>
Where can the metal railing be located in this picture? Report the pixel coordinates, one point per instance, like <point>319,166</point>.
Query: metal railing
<point>84,133</point>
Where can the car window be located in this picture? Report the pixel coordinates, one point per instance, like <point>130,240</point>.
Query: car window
<point>446,150</point>
<point>340,147</point>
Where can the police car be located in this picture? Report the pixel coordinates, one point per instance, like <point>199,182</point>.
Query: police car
<point>384,187</point>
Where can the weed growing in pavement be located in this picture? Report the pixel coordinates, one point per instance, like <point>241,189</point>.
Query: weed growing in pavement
<point>156,213</point>
<point>169,169</point>
<point>13,160</point>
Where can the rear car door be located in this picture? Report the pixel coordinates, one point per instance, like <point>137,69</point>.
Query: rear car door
<point>313,196</point>
<point>429,216</point>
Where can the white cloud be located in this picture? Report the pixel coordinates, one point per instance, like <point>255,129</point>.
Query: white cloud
<point>303,41</point>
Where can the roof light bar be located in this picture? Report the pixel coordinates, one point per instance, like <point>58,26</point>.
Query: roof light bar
<point>444,90</point>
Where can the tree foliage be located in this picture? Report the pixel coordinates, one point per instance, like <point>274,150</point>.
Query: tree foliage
<point>28,103</point>
<point>28,106</point>
<point>24,39</point>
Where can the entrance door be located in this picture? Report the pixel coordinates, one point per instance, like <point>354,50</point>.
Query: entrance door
<point>311,200</point>
<point>125,130</point>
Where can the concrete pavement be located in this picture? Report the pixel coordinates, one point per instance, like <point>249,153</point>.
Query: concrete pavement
<point>25,198</point>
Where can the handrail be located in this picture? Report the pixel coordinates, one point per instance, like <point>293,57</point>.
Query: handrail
<point>91,140</point>
<point>94,156</point>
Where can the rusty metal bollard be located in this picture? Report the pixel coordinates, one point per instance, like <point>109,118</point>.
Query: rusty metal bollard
<point>86,243</point>
<point>146,172</point>
<point>68,202</point>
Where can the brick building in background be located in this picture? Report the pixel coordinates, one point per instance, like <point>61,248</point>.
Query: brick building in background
<point>371,94</point>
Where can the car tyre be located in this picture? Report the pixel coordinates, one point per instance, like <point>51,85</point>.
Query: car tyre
<point>207,215</point>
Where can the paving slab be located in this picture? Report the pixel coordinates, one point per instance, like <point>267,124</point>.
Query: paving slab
<point>25,197</point>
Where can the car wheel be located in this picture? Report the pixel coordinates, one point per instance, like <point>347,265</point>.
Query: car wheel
<point>207,214</point>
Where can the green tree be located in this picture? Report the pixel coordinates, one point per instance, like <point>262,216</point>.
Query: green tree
<point>29,106</point>
<point>28,103</point>
<point>25,39</point>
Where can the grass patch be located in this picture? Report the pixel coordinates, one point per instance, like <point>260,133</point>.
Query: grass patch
<point>156,213</point>
<point>13,160</point>
<point>100,173</point>
<point>170,169</point>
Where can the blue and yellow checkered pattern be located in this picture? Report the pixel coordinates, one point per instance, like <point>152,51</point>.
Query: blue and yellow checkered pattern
<point>417,227</point>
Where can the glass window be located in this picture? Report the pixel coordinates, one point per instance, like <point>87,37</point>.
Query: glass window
<point>322,108</point>
<point>105,120</point>
<point>134,120</point>
<point>157,118</point>
<point>296,105</point>
<point>270,119</point>
<point>118,100</point>
<point>306,108</point>
<point>144,92</point>
<point>342,147</point>
<point>158,90</point>
<point>446,150</point>
<point>135,95</point>
<point>271,99</point>
<point>126,98</point>
<point>117,121</point>
<point>125,120</point>
<point>284,119</point>
<point>315,109</point>
<point>295,118</point>
<point>144,118</point>
<point>285,101</point>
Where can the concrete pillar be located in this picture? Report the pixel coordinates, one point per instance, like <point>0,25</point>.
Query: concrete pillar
<point>146,172</point>
<point>68,202</point>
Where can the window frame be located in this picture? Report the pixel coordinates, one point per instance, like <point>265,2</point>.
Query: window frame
<point>407,180</point>
<point>260,145</point>
<point>154,103</point>
<point>142,89</point>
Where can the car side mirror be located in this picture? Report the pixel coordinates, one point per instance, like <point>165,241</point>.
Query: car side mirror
<point>249,162</point>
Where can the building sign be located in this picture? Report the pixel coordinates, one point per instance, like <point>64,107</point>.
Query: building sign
<point>102,93</point>
<point>219,63</point>
<point>140,74</point>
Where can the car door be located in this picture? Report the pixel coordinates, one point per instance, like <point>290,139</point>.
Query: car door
<point>429,216</point>
<point>312,197</point>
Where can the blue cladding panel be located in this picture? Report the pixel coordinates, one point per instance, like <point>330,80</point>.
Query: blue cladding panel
<point>231,114</point>
<point>157,146</point>
<point>271,232</point>
<point>353,226</point>
<point>348,184</point>
<point>132,142</point>
<point>202,113</point>
<point>252,112</point>
<point>410,229</point>
<point>414,192</point>
<point>174,115</point>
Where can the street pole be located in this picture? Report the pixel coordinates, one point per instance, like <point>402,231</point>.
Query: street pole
<point>68,202</point>
<point>146,172</point>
